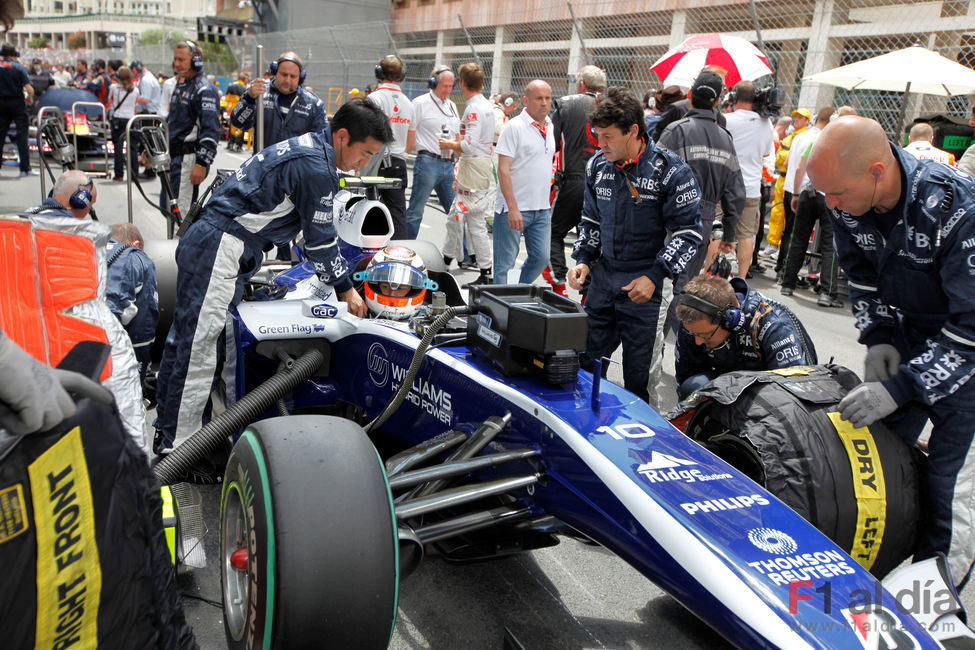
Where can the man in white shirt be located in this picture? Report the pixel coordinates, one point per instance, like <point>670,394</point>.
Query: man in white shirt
<point>920,144</point>
<point>754,139</point>
<point>475,176</point>
<point>150,92</point>
<point>399,111</point>
<point>435,119</point>
<point>525,152</point>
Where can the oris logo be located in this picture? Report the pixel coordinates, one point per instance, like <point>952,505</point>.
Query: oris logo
<point>378,363</point>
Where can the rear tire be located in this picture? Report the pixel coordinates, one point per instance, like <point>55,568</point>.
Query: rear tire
<point>307,497</point>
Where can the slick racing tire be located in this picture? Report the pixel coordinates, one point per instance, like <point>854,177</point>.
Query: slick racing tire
<point>859,487</point>
<point>308,542</point>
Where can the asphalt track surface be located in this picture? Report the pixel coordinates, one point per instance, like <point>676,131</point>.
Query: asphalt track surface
<point>568,596</point>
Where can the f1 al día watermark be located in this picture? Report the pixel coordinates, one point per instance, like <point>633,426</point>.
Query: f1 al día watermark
<point>918,597</point>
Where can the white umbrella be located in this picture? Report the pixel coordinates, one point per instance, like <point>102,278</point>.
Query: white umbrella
<point>911,70</point>
<point>681,65</point>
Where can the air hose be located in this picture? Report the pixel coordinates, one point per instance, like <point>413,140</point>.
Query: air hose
<point>407,383</point>
<point>174,467</point>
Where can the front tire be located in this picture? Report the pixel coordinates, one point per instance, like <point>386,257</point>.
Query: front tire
<point>307,538</point>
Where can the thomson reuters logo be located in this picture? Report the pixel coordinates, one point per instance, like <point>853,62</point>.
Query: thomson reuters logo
<point>378,362</point>
<point>772,541</point>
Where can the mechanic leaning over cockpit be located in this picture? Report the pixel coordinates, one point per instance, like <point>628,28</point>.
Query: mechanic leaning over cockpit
<point>287,188</point>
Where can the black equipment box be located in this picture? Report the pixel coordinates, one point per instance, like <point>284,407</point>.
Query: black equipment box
<point>525,329</point>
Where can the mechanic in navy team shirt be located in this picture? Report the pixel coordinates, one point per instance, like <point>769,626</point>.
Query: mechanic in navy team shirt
<point>14,81</point>
<point>287,188</point>
<point>194,124</point>
<point>289,109</point>
<point>131,291</point>
<point>636,196</point>
<point>728,326</point>
<point>904,231</point>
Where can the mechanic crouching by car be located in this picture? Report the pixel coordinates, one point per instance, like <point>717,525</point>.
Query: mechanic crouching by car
<point>904,231</point>
<point>727,327</point>
<point>194,124</point>
<point>637,195</point>
<point>282,190</point>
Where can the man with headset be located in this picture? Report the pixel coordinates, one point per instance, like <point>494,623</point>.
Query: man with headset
<point>70,209</point>
<point>289,109</point>
<point>435,118</point>
<point>194,124</point>
<point>399,111</point>
<point>727,326</point>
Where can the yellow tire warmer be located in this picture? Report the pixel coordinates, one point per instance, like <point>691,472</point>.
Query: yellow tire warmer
<point>860,487</point>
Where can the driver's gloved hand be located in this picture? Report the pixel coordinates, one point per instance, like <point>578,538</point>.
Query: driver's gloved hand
<point>866,404</point>
<point>34,396</point>
<point>881,363</point>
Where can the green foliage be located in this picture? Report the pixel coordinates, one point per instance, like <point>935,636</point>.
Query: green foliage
<point>38,43</point>
<point>155,37</point>
<point>77,41</point>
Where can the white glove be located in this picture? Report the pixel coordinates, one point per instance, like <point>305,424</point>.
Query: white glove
<point>866,404</point>
<point>881,363</point>
<point>34,396</point>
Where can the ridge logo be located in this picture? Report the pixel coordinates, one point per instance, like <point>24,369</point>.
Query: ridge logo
<point>663,468</point>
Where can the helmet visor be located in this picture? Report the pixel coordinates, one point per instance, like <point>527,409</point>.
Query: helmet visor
<point>395,279</point>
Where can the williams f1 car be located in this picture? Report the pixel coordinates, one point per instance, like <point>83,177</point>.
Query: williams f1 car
<point>362,444</point>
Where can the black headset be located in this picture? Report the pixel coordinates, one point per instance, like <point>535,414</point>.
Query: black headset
<point>273,69</point>
<point>729,318</point>
<point>380,72</point>
<point>196,55</point>
<point>435,77</point>
<point>82,197</point>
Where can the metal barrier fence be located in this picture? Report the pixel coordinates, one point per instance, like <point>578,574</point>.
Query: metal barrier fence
<point>551,39</point>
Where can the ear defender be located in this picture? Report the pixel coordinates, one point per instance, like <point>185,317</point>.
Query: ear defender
<point>273,68</point>
<point>82,197</point>
<point>729,318</point>
<point>432,81</point>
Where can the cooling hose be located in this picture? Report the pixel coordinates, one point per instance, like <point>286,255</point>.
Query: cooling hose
<point>173,467</point>
<point>407,383</point>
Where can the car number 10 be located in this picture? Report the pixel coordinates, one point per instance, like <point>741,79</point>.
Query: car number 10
<point>630,430</point>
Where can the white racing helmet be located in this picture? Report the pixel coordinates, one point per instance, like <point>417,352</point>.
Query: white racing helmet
<point>395,282</point>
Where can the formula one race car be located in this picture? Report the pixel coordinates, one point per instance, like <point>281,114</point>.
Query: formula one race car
<point>471,428</point>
